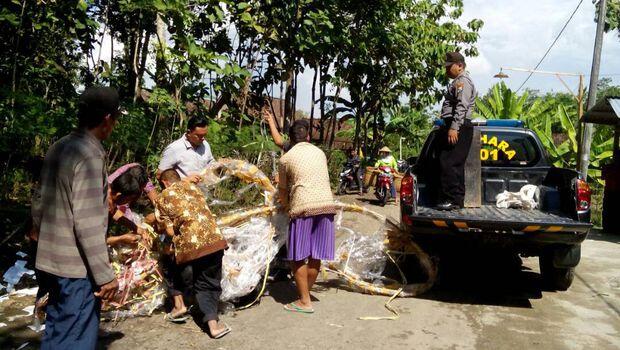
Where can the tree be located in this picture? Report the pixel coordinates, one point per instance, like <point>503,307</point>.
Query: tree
<point>612,20</point>
<point>395,49</point>
<point>552,116</point>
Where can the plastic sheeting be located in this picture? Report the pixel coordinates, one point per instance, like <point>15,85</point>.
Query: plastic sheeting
<point>14,274</point>
<point>251,247</point>
<point>361,259</point>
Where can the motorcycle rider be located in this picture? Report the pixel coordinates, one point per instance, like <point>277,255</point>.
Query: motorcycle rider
<point>387,160</point>
<point>353,162</point>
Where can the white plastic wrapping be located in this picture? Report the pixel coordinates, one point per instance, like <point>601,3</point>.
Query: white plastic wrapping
<point>527,198</point>
<point>251,247</point>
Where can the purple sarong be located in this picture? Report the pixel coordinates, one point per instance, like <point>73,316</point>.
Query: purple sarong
<point>312,236</point>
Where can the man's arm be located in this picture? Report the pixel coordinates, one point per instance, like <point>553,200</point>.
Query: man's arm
<point>36,211</point>
<point>464,94</point>
<point>163,216</point>
<point>283,186</point>
<point>394,163</point>
<point>89,217</point>
<point>273,128</point>
<point>447,107</point>
<point>168,160</point>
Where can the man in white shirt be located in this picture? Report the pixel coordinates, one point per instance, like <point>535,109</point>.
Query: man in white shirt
<point>190,154</point>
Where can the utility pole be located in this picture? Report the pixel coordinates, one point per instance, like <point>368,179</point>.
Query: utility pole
<point>583,160</point>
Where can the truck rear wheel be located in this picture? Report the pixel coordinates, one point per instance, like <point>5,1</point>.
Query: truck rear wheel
<point>557,278</point>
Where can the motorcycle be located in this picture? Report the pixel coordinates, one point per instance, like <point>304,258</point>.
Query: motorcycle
<point>385,179</point>
<point>347,181</point>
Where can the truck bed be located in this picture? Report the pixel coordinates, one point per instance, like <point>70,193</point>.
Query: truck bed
<point>489,217</point>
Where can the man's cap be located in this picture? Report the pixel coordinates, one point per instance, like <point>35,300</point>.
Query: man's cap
<point>385,149</point>
<point>101,99</point>
<point>454,57</point>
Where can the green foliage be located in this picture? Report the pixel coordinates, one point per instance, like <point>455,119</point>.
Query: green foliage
<point>411,125</point>
<point>553,117</point>
<point>612,21</point>
<point>171,60</point>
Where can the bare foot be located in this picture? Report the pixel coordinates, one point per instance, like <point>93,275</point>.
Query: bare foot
<point>177,312</point>
<point>217,329</point>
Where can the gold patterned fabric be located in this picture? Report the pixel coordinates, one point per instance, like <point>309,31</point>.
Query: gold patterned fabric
<point>183,208</point>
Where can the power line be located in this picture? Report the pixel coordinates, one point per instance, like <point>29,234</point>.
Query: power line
<point>552,44</point>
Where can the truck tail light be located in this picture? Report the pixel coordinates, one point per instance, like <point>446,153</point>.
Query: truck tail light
<point>406,190</point>
<point>584,195</point>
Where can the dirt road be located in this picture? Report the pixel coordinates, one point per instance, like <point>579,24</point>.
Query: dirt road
<point>480,305</point>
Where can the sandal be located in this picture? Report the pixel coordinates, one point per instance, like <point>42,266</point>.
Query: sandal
<point>222,333</point>
<point>293,307</point>
<point>176,319</point>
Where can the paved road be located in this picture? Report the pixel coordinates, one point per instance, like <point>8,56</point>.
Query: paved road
<point>481,304</point>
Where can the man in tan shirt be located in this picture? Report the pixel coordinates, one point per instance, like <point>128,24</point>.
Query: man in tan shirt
<point>305,193</point>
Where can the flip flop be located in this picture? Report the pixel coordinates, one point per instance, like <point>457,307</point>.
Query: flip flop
<point>293,307</point>
<point>222,333</point>
<point>178,319</point>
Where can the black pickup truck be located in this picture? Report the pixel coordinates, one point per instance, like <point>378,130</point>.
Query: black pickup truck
<point>511,156</point>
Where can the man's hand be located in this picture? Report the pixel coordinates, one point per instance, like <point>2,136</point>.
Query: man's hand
<point>130,238</point>
<point>453,136</point>
<point>145,236</point>
<point>267,116</point>
<point>193,178</point>
<point>108,290</point>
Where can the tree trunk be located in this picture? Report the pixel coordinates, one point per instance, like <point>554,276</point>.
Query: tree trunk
<point>294,97</point>
<point>375,135</point>
<point>288,100</point>
<point>334,117</point>
<point>282,99</point>
<point>142,66</point>
<point>160,61</point>
<point>316,70</point>
<point>131,50</point>
<point>358,124</point>
<point>322,87</point>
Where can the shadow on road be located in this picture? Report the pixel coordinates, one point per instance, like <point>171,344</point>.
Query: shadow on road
<point>375,202</point>
<point>486,280</point>
<point>598,235</point>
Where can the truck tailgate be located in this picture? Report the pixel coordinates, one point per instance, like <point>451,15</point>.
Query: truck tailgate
<point>489,217</point>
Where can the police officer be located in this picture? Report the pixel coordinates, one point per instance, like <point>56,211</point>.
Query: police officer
<point>455,136</point>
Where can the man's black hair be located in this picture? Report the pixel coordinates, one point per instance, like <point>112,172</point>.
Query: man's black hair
<point>128,184</point>
<point>299,131</point>
<point>95,103</point>
<point>140,174</point>
<point>197,122</point>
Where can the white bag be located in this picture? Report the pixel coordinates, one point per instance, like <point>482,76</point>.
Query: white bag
<point>526,198</point>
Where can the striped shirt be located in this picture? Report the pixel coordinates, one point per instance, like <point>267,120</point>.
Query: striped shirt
<point>73,215</point>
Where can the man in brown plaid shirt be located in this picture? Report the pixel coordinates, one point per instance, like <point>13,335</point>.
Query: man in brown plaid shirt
<point>73,219</point>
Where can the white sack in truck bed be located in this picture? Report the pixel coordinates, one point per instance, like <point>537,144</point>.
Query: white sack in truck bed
<point>526,198</point>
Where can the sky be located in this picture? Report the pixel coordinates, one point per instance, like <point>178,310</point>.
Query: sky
<point>517,34</point>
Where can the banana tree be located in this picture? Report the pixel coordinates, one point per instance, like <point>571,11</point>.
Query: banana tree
<point>501,103</point>
<point>565,154</point>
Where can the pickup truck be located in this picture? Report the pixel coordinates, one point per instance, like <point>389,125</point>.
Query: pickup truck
<point>511,156</point>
